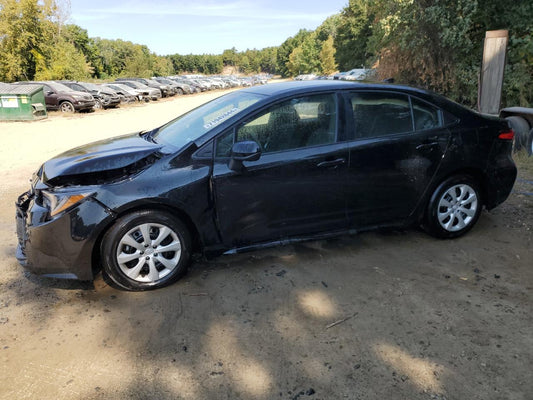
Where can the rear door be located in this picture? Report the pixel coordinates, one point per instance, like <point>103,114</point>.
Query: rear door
<point>397,143</point>
<point>296,187</point>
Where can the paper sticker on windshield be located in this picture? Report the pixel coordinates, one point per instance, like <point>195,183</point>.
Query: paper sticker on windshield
<point>220,118</point>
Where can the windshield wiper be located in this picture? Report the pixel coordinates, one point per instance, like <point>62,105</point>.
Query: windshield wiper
<point>149,135</point>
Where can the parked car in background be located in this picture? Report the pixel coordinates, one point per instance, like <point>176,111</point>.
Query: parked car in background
<point>263,166</point>
<point>305,77</point>
<point>125,98</point>
<point>166,91</point>
<point>200,86</point>
<point>62,98</point>
<point>356,74</point>
<point>103,98</point>
<point>179,88</point>
<point>148,92</point>
<point>129,94</point>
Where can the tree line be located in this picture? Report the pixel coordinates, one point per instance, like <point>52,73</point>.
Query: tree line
<point>436,44</point>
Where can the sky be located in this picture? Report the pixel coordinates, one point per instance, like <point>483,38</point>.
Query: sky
<point>200,26</point>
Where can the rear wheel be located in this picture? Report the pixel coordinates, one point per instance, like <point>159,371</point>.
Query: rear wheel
<point>146,250</point>
<point>530,143</point>
<point>454,207</point>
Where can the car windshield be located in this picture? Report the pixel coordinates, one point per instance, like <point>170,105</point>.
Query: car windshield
<point>138,85</point>
<point>195,123</point>
<point>58,87</point>
<point>91,86</point>
<point>120,87</point>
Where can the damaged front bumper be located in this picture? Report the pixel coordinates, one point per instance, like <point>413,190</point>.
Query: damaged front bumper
<point>59,246</point>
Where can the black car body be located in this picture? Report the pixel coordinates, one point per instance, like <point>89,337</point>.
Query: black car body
<point>60,97</point>
<point>262,166</point>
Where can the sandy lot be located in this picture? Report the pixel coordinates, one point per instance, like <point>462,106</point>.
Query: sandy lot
<point>390,315</point>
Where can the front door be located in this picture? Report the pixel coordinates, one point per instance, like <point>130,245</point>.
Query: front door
<point>297,186</point>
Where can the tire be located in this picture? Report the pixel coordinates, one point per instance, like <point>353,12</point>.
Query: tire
<point>98,105</point>
<point>179,91</point>
<point>67,107</point>
<point>521,128</point>
<point>454,207</point>
<point>529,147</point>
<point>137,264</point>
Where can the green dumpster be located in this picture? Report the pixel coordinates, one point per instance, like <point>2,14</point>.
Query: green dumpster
<point>22,102</point>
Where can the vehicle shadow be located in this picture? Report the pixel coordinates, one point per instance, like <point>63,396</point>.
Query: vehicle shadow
<point>378,315</point>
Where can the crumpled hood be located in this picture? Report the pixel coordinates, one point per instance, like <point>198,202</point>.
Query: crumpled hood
<point>117,154</point>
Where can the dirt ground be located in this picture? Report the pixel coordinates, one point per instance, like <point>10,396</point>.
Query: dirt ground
<point>386,315</point>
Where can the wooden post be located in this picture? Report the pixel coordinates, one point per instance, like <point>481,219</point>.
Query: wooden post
<point>491,80</point>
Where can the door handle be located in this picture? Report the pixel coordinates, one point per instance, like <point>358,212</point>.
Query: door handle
<point>427,145</point>
<point>332,163</point>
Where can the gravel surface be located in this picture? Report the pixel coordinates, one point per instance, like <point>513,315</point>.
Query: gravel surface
<point>383,315</point>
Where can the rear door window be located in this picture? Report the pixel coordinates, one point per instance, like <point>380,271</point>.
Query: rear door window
<point>380,114</point>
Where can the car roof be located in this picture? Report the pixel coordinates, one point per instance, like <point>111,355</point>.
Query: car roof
<point>275,89</point>
<point>302,87</point>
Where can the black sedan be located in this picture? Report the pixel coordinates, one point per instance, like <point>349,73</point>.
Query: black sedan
<point>258,167</point>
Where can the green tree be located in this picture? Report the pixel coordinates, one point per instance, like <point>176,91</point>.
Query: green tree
<point>427,43</point>
<point>230,57</point>
<point>138,63</point>
<point>304,59</point>
<point>244,64</point>
<point>21,37</point>
<point>86,45</point>
<point>327,57</point>
<point>268,60</point>
<point>63,61</point>
<point>328,28</point>
<point>286,48</point>
<point>162,66</point>
<point>296,61</point>
<point>352,34</point>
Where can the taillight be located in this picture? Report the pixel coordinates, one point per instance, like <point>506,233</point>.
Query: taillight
<point>506,135</point>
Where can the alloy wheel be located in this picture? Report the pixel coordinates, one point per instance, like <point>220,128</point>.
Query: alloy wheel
<point>148,252</point>
<point>457,207</point>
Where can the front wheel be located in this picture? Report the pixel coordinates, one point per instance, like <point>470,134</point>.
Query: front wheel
<point>454,207</point>
<point>146,250</point>
<point>67,107</point>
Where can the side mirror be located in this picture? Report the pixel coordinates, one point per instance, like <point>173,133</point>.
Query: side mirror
<point>243,151</point>
<point>49,93</point>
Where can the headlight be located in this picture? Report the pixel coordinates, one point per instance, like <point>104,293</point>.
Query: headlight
<point>59,202</point>
<point>78,97</point>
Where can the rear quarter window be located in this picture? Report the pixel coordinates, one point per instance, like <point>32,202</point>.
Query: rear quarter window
<point>426,116</point>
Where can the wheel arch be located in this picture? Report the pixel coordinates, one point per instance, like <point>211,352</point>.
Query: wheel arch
<point>197,244</point>
<point>476,173</point>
